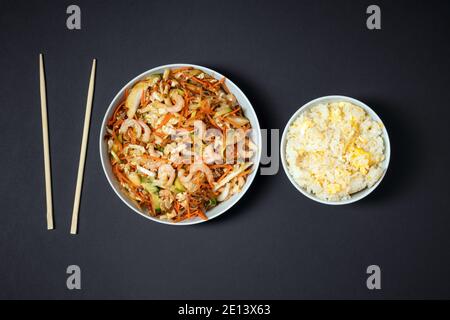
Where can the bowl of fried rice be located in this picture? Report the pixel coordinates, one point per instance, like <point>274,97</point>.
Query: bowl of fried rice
<point>335,150</point>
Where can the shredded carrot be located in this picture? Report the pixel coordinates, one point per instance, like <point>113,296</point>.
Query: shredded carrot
<point>220,82</point>
<point>215,166</point>
<point>201,215</point>
<point>118,123</point>
<point>114,116</point>
<point>159,134</point>
<point>232,112</point>
<point>181,69</point>
<point>188,205</point>
<point>213,122</point>
<point>227,170</point>
<point>147,156</point>
<point>186,100</point>
<point>185,111</point>
<point>143,98</point>
<point>210,184</point>
<point>119,174</point>
<point>204,83</point>
<point>206,107</point>
<point>132,135</point>
<point>164,121</point>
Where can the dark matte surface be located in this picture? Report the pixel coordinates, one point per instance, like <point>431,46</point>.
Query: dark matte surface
<point>275,243</point>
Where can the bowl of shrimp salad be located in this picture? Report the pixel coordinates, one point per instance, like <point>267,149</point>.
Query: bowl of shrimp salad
<point>180,144</point>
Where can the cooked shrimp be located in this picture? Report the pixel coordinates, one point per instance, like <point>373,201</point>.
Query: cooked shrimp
<point>152,165</point>
<point>166,176</point>
<point>246,154</point>
<point>179,104</point>
<point>235,136</point>
<point>178,153</point>
<point>199,130</point>
<point>211,156</point>
<point>196,167</point>
<point>128,123</point>
<point>186,181</point>
<point>153,152</point>
<point>146,135</point>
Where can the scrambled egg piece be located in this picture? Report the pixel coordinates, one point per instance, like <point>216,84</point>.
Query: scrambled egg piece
<point>359,159</point>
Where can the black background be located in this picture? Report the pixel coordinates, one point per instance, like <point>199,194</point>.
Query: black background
<point>275,243</point>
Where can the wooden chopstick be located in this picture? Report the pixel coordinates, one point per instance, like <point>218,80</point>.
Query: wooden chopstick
<point>87,120</point>
<point>47,167</point>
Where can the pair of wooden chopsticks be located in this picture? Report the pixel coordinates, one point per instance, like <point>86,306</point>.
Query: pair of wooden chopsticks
<point>87,120</point>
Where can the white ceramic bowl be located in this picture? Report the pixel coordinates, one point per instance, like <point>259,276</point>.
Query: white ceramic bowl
<point>358,195</point>
<point>248,111</point>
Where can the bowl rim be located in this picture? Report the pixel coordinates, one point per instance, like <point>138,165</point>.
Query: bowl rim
<point>358,195</point>
<point>228,204</point>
